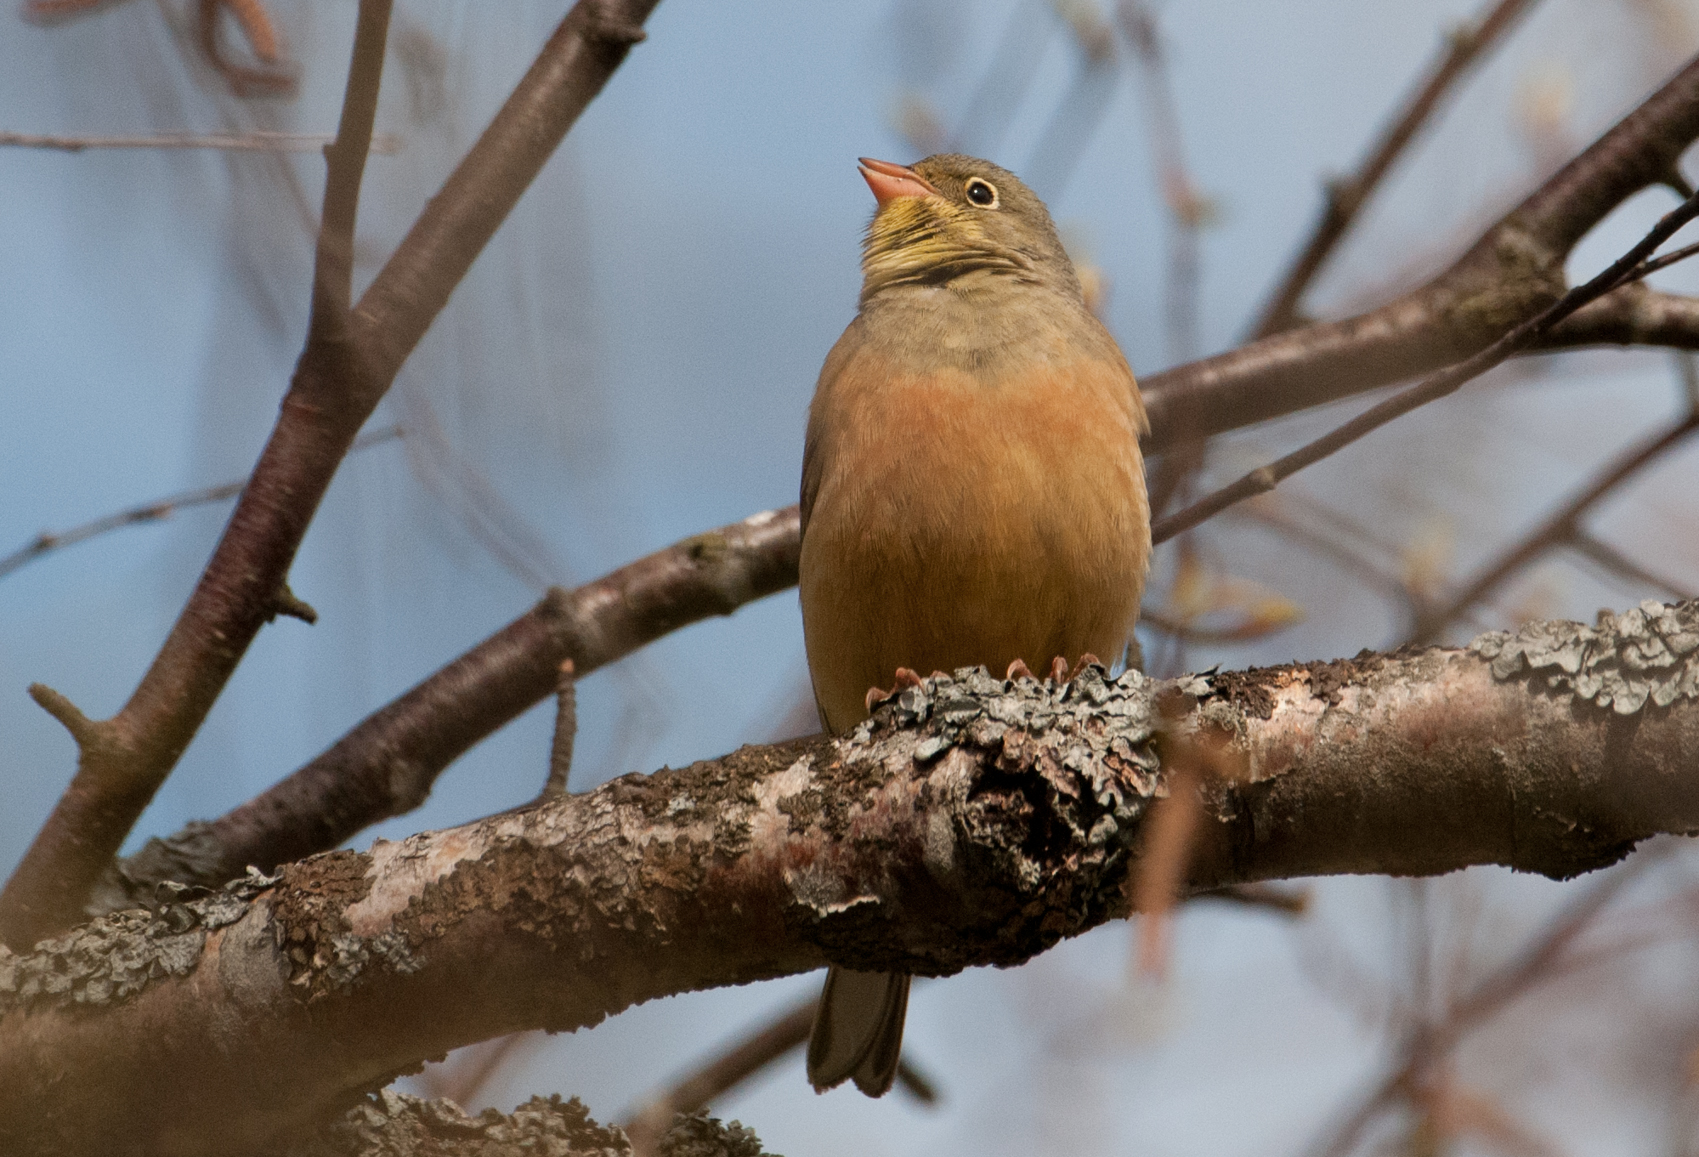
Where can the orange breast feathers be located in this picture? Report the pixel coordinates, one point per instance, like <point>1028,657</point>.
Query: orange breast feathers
<point>951,520</point>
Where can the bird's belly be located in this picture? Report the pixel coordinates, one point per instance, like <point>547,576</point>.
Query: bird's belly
<point>980,525</point>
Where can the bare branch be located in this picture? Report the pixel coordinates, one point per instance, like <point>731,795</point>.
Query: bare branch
<point>1629,267</point>
<point>344,371</point>
<point>728,1069</point>
<point>259,141</point>
<point>156,511</point>
<point>724,1072</point>
<point>1636,314</point>
<point>1611,559</point>
<point>980,834</point>
<point>393,1122</point>
<point>1464,46</point>
<point>1513,272</point>
<point>566,733</point>
<point>385,766</point>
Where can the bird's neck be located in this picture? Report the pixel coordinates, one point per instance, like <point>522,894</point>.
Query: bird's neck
<point>979,322</point>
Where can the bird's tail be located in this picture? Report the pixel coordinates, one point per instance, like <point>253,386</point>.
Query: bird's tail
<point>858,1030</point>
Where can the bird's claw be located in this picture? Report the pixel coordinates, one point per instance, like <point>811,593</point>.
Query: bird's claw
<point>1087,659</point>
<point>905,678</point>
<point>1059,672</point>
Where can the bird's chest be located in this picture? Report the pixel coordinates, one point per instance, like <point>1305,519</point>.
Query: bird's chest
<point>952,470</point>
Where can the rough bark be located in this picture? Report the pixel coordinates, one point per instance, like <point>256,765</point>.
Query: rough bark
<point>973,821</point>
<point>392,1124</point>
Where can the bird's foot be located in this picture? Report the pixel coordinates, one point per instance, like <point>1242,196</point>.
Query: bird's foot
<point>1059,672</point>
<point>1086,660</point>
<point>905,678</point>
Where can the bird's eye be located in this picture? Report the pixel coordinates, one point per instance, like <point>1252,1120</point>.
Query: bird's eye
<point>982,193</point>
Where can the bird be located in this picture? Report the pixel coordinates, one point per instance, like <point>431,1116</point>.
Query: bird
<point>972,488</point>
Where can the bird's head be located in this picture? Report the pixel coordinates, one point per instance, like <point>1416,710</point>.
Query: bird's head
<point>951,216</point>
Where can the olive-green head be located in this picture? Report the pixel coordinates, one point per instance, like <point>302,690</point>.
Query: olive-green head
<point>953,217</point>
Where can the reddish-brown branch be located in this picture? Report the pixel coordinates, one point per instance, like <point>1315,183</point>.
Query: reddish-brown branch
<point>1346,196</point>
<point>1630,266</point>
<point>1509,275</point>
<point>386,765</point>
<point>343,373</point>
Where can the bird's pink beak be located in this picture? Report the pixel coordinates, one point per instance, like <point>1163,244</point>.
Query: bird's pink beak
<point>889,181</point>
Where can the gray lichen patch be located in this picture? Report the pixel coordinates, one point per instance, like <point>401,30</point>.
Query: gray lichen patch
<point>117,956</point>
<point>1027,797</point>
<point>392,1124</point>
<point>310,921</point>
<point>1090,732</point>
<point>1648,653</point>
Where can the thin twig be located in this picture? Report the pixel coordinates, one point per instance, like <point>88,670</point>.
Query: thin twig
<point>1623,270</point>
<point>1338,550</point>
<point>386,144</point>
<point>1187,208</point>
<point>156,511</point>
<point>566,732</point>
<point>1186,211</point>
<point>1560,528</point>
<point>1346,196</point>
<point>1425,329</point>
<point>728,1069</point>
<point>1242,632</point>
<point>1613,560</point>
<point>1270,897</point>
<point>1428,1044</point>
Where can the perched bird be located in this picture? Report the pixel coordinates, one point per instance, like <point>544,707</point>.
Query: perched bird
<point>972,487</point>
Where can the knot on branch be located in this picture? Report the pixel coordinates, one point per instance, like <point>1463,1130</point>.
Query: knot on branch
<point>290,605</point>
<point>84,730</point>
<point>598,20</point>
<point>1015,811</point>
<point>1648,653</point>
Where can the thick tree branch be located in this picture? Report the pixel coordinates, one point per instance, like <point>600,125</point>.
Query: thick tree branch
<point>974,821</point>
<point>349,362</point>
<point>1633,315</point>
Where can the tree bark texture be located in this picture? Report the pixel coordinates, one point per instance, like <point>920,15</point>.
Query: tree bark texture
<point>972,821</point>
